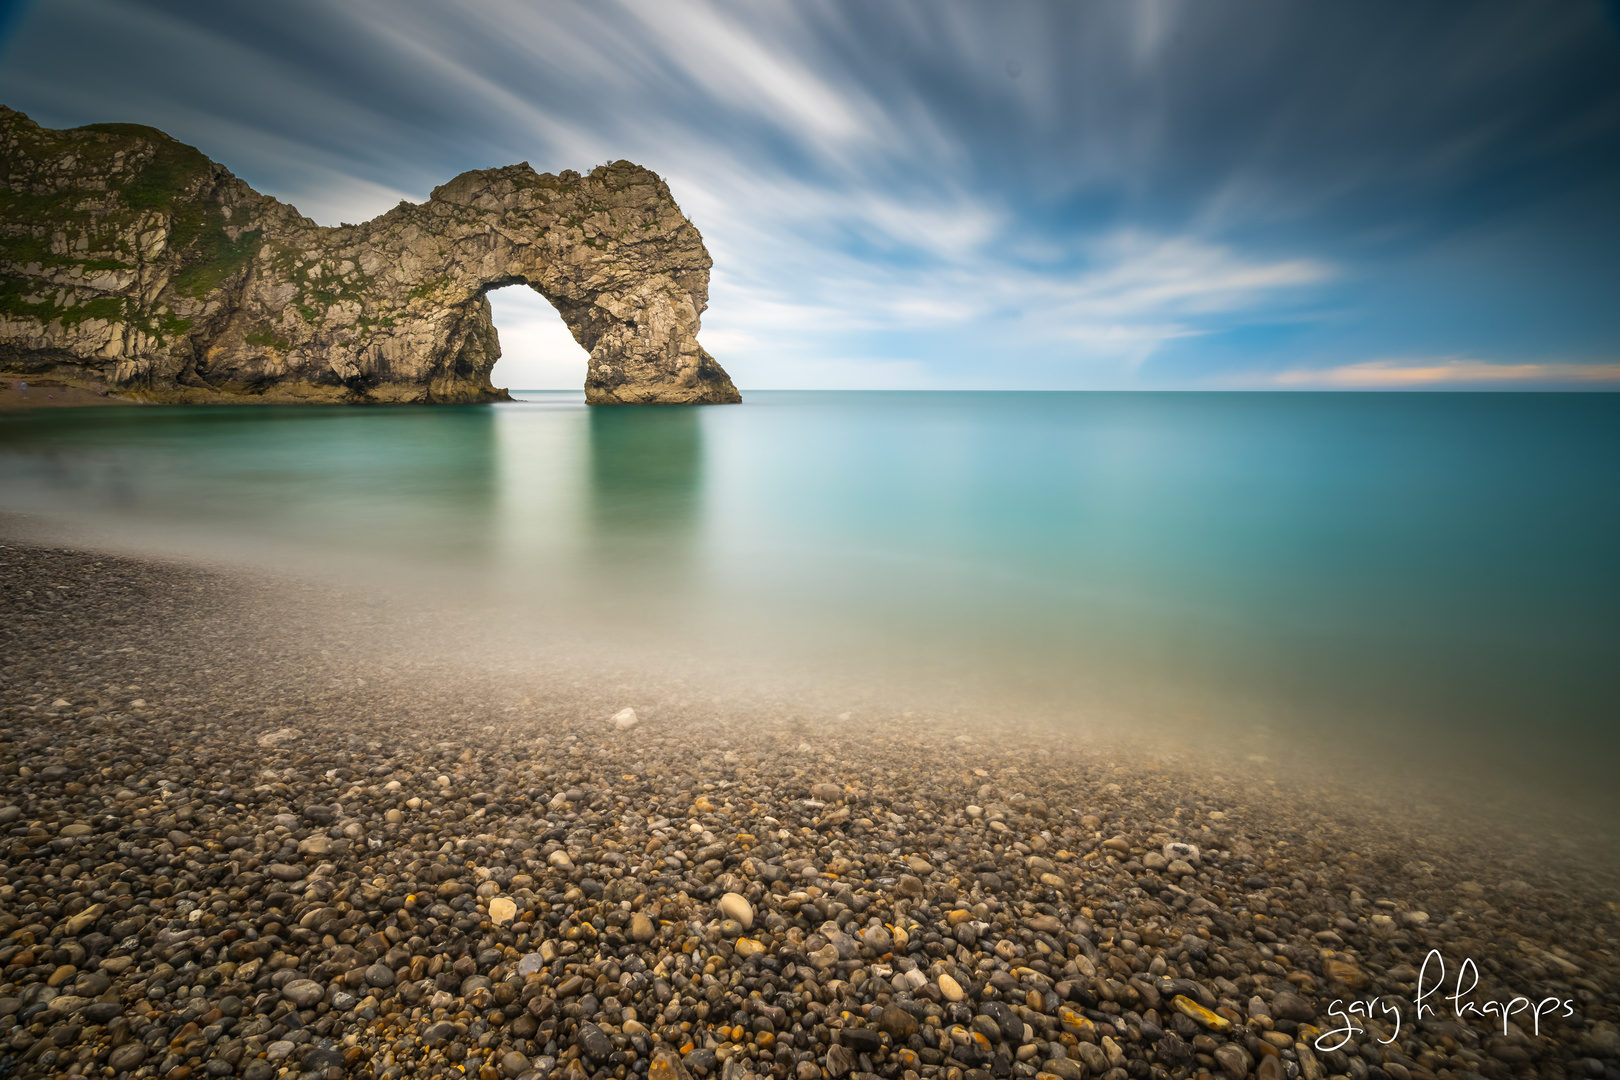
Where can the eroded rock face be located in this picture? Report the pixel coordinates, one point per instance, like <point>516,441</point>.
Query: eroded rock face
<point>130,261</point>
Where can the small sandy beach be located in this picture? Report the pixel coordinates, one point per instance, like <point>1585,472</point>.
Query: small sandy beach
<point>49,394</point>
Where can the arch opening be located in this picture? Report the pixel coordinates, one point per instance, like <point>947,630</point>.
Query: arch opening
<point>537,350</point>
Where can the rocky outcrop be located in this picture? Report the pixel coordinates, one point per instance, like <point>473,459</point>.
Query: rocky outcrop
<point>131,262</point>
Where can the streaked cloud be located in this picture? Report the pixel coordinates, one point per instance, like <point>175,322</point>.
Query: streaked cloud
<point>1057,194</point>
<point>1450,372</point>
<point>1130,290</point>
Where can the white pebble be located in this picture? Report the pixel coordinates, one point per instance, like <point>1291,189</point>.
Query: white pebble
<point>734,906</point>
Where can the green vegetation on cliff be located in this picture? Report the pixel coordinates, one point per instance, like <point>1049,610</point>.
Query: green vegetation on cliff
<point>78,205</point>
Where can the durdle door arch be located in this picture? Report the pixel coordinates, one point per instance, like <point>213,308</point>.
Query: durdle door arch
<point>133,262</point>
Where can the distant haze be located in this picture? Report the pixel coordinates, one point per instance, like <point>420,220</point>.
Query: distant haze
<point>952,195</point>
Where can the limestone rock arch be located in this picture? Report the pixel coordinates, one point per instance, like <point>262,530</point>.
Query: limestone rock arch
<point>133,262</point>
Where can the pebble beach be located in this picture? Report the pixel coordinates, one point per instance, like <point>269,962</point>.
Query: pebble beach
<point>233,845</point>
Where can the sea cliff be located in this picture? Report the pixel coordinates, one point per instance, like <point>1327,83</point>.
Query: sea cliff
<point>131,263</point>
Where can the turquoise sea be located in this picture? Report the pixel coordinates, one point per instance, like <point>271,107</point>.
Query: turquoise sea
<point>1378,573</point>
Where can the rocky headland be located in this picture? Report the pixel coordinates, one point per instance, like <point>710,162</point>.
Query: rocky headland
<point>241,845</point>
<point>132,264</point>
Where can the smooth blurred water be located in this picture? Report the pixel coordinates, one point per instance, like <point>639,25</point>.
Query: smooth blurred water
<point>1372,570</point>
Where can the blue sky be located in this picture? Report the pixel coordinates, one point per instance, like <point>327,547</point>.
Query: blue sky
<point>1143,194</point>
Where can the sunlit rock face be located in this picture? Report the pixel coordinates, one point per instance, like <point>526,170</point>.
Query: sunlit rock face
<point>130,261</point>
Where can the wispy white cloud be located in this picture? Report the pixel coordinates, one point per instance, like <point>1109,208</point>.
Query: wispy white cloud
<point>485,92</point>
<point>1142,274</point>
<point>1132,294</point>
<point>1446,372</point>
<point>736,63</point>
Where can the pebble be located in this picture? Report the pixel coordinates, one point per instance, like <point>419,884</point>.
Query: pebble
<point>897,1022</point>
<point>1095,1060</point>
<point>594,1043</point>
<point>1234,1060</point>
<point>737,908</point>
<point>666,1065</point>
<point>368,892</point>
<point>624,719</point>
<point>1342,971</point>
<point>126,1057</point>
<point>305,992</point>
<point>1064,1069</point>
<point>1286,1005</point>
<point>1198,1014</point>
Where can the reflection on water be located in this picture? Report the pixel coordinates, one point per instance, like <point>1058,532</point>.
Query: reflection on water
<point>412,482</point>
<point>646,490</point>
<point>1388,572</point>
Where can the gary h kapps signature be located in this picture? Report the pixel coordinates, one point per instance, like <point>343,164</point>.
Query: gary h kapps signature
<point>1432,999</point>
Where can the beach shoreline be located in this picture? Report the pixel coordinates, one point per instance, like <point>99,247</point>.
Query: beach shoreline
<point>242,844</point>
<point>50,394</point>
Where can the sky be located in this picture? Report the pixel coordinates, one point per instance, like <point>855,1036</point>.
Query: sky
<point>1205,194</point>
